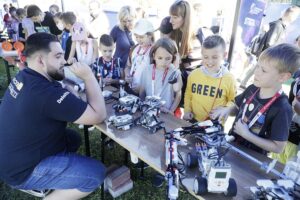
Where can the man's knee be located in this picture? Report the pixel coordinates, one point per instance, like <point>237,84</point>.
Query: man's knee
<point>99,172</point>
<point>95,177</point>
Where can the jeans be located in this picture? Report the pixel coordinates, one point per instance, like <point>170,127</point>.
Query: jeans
<point>66,170</point>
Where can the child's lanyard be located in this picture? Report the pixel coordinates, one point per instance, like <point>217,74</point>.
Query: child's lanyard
<point>162,80</point>
<point>213,104</point>
<point>138,54</point>
<point>262,110</point>
<point>111,67</point>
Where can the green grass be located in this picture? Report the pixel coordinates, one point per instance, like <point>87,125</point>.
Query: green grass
<point>142,189</point>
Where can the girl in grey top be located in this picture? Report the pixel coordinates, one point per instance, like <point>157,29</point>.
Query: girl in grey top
<point>156,79</point>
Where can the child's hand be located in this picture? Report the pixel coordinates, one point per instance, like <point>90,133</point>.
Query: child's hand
<point>128,79</point>
<point>188,116</point>
<point>241,128</point>
<point>220,113</point>
<point>71,61</point>
<point>295,102</point>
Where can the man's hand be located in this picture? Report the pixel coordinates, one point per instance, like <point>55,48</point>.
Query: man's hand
<point>188,116</point>
<point>71,61</point>
<point>241,128</point>
<point>82,70</point>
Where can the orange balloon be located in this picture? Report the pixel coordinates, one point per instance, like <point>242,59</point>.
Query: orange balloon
<point>19,46</point>
<point>7,46</point>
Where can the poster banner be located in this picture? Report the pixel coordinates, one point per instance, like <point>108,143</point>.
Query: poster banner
<point>251,14</point>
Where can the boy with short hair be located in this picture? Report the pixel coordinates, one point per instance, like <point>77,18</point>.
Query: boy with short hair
<point>211,85</point>
<point>263,113</point>
<point>106,67</point>
<point>68,19</point>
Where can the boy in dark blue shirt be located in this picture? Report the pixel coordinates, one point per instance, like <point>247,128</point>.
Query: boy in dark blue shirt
<point>107,68</point>
<point>263,113</point>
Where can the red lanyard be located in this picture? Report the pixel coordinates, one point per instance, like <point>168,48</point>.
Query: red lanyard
<point>262,110</point>
<point>162,80</point>
<point>111,67</point>
<point>138,53</point>
<point>99,73</point>
<point>140,48</point>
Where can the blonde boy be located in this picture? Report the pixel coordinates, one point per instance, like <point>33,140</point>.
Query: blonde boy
<point>263,113</point>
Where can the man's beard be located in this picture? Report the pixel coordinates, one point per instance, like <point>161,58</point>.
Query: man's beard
<point>56,75</point>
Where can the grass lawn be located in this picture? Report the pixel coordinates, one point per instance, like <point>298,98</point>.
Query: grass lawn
<point>142,189</point>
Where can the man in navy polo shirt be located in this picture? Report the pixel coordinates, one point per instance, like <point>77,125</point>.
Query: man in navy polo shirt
<point>37,152</point>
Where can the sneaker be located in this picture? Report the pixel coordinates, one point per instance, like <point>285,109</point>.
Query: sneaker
<point>91,128</point>
<point>158,180</point>
<point>139,165</point>
<point>37,193</point>
<point>80,126</point>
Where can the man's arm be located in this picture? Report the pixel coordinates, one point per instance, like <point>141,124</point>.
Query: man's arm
<point>95,112</point>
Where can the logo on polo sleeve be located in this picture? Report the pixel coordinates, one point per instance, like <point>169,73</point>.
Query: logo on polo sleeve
<point>62,97</point>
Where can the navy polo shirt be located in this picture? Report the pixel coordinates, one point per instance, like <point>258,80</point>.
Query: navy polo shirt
<point>33,118</point>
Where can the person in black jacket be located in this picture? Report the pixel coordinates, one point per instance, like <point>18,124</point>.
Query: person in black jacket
<point>43,22</point>
<point>273,36</point>
<point>277,29</point>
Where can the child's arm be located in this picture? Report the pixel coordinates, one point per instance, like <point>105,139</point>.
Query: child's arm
<point>231,92</point>
<point>72,53</point>
<point>296,105</point>
<point>222,113</point>
<point>188,114</point>
<point>95,50</point>
<point>26,33</point>
<point>177,89</point>
<point>128,77</point>
<point>142,92</point>
<point>242,129</point>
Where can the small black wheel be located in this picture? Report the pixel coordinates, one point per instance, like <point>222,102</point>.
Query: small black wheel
<point>192,160</point>
<point>232,188</point>
<point>200,185</point>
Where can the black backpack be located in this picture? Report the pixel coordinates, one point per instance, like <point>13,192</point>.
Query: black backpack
<point>258,44</point>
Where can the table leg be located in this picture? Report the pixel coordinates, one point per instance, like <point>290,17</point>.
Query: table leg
<point>126,157</point>
<point>103,136</point>
<point>7,71</point>
<point>86,140</point>
<point>142,170</point>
